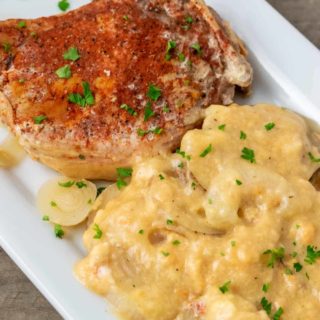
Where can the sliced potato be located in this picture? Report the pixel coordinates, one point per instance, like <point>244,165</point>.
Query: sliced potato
<point>66,201</point>
<point>11,153</point>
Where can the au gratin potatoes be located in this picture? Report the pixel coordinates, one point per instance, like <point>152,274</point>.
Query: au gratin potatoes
<point>225,228</point>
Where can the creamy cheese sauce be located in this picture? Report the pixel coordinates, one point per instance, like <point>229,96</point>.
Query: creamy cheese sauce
<point>193,234</point>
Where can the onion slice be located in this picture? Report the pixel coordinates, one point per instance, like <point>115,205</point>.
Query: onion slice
<point>66,201</point>
<point>11,153</point>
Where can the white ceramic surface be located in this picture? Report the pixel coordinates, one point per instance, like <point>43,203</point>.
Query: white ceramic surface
<point>287,72</point>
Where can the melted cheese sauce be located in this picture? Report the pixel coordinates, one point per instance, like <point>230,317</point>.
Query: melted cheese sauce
<point>189,226</point>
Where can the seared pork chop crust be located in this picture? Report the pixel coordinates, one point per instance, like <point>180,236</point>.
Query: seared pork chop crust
<point>152,66</point>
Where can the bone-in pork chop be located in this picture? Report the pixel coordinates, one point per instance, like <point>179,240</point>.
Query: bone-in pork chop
<point>115,80</point>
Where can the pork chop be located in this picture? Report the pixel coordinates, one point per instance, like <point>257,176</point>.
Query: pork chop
<point>98,87</point>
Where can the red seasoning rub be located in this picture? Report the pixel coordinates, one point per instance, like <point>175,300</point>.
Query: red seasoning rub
<point>92,89</point>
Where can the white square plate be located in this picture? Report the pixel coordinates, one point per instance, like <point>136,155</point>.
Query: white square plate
<point>287,72</point>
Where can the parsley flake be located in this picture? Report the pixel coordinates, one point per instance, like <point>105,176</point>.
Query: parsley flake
<point>189,19</point>
<point>53,204</point>
<point>183,154</point>
<point>206,151</point>
<point>156,130</point>
<point>171,45</point>
<point>197,48</point>
<point>71,54</point>
<point>312,255</point>
<point>313,158</point>
<point>98,232</point>
<point>148,112</point>
<point>123,173</point>
<point>238,182</point>
<point>22,24</point>
<point>64,72</point>
<point>154,93</point>
<point>222,127</point>
<point>39,119</point>
<point>83,101</point>
<point>225,287</point>
<point>166,254</point>
<point>243,135</point>
<point>6,47</point>
<point>166,108</point>
<point>278,314</point>
<point>274,255</point>
<point>131,111</point>
<point>126,18</point>
<point>181,57</point>
<point>63,5</point>
<point>169,222</point>
<point>58,231</point>
<point>269,126</point>
<point>266,305</point>
<point>161,177</point>
<point>141,231</point>
<point>67,184</point>
<point>248,154</point>
<point>81,184</point>
<point>265,287</point>
<point>297,266</point>
<point>45,218</point>
<point>176,242</point>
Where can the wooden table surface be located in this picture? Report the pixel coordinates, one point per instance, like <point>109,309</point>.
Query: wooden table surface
<point>19,299</point>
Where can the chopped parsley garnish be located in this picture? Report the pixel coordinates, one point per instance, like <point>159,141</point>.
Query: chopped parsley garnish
<point>183,154</point>
<point>126,18</point>
<point>274,255</point>
<point>225,287</point>
<point>206,151</point>
<point>39,119</point>
<point>89,201</point>
<point>53,204</point>
<point>6,47</point>
<point>83,101</point>
<point>58,231</point>
<point>248,154</point>
<point>81,184</point>
<point>166,254</point>
<point>210,201</point>
<point>266,305</point>
<point>238,182</point>
<point>243,135</point>
<point>294,254</point>
<point>156,130</point>
<point>181,165</point>
<point>193,185</point>
<point>176,242</point>
<point>222,127</point>
<point>100,190</point>
<point>189,20</point>
<point>129,109</point>
<point>269,126</point>
<point>288,271</point>
<point>98,232</point>
<point>64,72</point>
<point>148,112</point>
<point>21,80</point>
<point>82,157</point>
<point>297,266</point>
<point>278,314</point>
<point>265,287</point>
<point>22,24</point>
<point>181,57</point>
<point>154,93</point>
<point>45,218</point>
<point>312,255</point>
<point>33,34</point>
<point>197,48</point>
<point>313,158</point>
<point>165,108</point>
<point>169,222</point>
<point>161,177</point>
<point>123,173</point>
<point>141,231</point>
<point>63,5</point>
<point>233,243</point>
<point>67,184</point>
<point>170,46</point>
<point>71,54</point>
